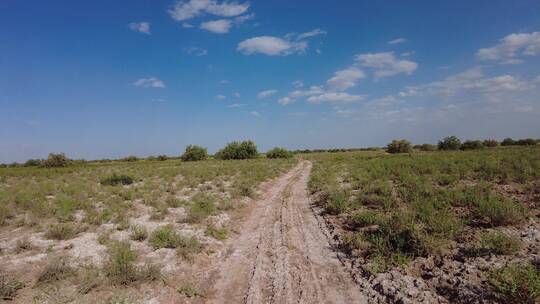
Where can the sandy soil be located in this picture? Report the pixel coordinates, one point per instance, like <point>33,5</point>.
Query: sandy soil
<point>281,255</point>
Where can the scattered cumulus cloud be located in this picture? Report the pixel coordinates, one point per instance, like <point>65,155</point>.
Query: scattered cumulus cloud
<point>297,84</point>
<point>221,26</point>
<point>345,79</point>
<point>255,113</point>
<point>511,48</point>
<point>221,97</point>
<point>140,27</point>
<point>335,97</point>
<point>266,94</point>
<point>397,41</point>
<point>386,64</point>
<point>313,33</point>
<point>185,10</point>
<point>272,46</point>
<point>196,51</point>
<point>151,82</point>
<point>236,105</point>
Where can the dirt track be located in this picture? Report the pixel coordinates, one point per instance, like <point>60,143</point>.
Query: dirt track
<point>281,255</point>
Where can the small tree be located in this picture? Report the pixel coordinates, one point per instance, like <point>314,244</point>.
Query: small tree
<point>526,142</point>
<point>490,143</point>
<point>238,150</point>
<point>33,163</point>
<point>162,157</point>
<point>399,146</point>
<point>508,142</point>
<point>55,161</point>
<point>130,158</point>
<point>472,145</point>
<point>449,143</point>
<point>279,153</point>
<point>194,153</point>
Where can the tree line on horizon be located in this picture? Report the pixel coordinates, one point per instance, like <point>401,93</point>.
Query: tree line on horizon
<point>248,150</point>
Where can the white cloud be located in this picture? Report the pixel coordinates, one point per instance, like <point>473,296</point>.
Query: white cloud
<point>196,51</point>
<point>335,98</point>
<point>236,105</point>
<point>237,95</point>
<point>345,79</point>
<point>221,97</point>
<point>221,26</point>
<point>187,25</point>
<point>386,64</point>
<point>407,54</point>
<point>310,34</point>
<point>224,81</point>
<point>255,113</point>
<point>141,27</point>
<point>285,100</point>
<point>151,82</point>
<point>299,84</point>
<point>511,47</point>
<point>397,41</point>
<point>294,95</point>
<point>241,19</point>
<point>184,10</point>
<point>271,46</point>
<point>267,93</point>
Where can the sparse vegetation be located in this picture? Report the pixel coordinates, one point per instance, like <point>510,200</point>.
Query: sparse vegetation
<point>8,286</point>
<point>516,283</point>
<point>121,268</point>
<point>165,237</point>
<point>116,179</point>
<point>138,233</point>
<point>57,269</point>
<point>496,242</point>
<point>62,231</point>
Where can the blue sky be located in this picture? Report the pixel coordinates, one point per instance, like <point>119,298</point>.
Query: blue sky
<point>105,79</point>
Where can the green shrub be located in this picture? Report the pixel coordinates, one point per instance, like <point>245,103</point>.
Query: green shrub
<point>121,269</point>
<point>194,153</point>
<point>508,142</point>
<point>279,153</point>
<point>516,283</point>
<point>217,233</point>
<point>449,143</point>
<point>238,150</point>
<point>200,209</point>
<point>55,161</point>
<point>472,145</point>
<point>165,237</point>
<point>426,147</point>
<point>365,218</point>
<point>526,142</point>
<point>498,211</point>
<point>490,143</point>
<point>130,158</point>
<point>399,146</point>
<point>189,247</point>
<point>162,157</point>
<point>115,180</point>
<point>89,279</point>
<point>33,163</point>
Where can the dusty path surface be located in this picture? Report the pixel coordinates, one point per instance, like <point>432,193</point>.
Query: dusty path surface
<point>281,255</point>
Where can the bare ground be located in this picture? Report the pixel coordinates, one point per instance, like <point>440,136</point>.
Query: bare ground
<point>280,255</point>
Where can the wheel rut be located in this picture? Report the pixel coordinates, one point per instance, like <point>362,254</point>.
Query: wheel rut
<point>281,254</point>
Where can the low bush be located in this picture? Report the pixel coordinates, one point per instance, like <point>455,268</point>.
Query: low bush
<point>472,145</point>
<point>426,147</point>
<point>189,247</point>
<point>526,142</point>
<point>516,283</point>
<point>494,210</point>
<point>62,231</point>
<point>33,163</point>
<point>279,153</point>
<point>238,150</point>
<point>217,233</point>
<point>138,233</point>
<point>200,209</point>
<point>121,268</point>
<point>130,158</point>
<point>165,237</point>
<point>490,143</point>
<point>449,143</point>
<point>162,157</point>
<point>365,218</point>
<point>55,161</point>
<point>399,146</point>
<point>194,153</point>
<point>115,180</point>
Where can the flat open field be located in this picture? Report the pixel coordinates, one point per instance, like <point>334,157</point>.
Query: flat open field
<point>345,227</point>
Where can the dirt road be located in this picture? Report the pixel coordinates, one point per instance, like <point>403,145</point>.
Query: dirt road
<point>281,255</point>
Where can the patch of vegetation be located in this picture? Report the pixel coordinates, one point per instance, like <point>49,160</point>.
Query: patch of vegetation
<point>57,269</point>
<point>189,290</point>
<point>449,143</point>
<point>62,231</point>
<point>217,233</point>
<point>194,153</point>
<point>238,150</point>
<point>399,146</point>
<point>490,143</point>
<point>516,283</point>
<point>188,247</point>
<point>121,268</point>
<point>138,233</point>
<point>89,279</point>
<point>279,153</point>
<point>9,287</point>
<point>165,237</point>
<point>494,210</point>
<point>495,242</point>
<point>115,179</point>
<point>472,145</point>
<point>201,207</point>
<point>426,147</point>
<point>55,161</point>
